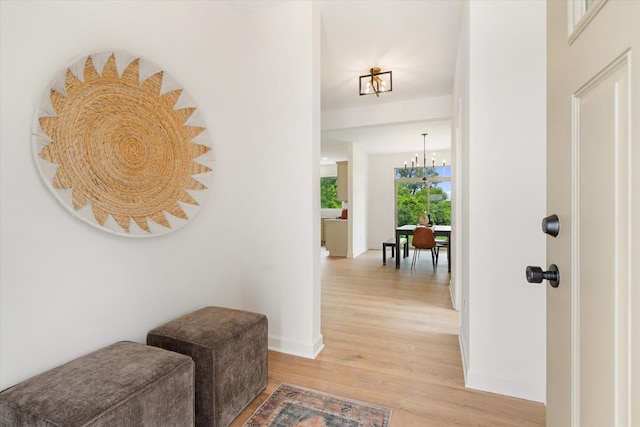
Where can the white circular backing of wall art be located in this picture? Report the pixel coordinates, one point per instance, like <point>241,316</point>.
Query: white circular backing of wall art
<point>122,145</point>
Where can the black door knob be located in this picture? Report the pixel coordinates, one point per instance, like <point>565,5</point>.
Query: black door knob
<point>536,275</point>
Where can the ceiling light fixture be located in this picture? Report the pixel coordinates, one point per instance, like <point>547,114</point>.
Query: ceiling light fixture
<point>376,82</point>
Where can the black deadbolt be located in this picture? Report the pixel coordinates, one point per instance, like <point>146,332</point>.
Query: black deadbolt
<point>551,225</point>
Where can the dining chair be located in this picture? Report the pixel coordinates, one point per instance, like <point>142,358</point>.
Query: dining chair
<point>440,244</point>
<point>423,238</point>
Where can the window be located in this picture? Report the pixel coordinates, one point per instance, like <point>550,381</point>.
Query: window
<point>581,12</point>
<point>329,192</point>
<point>423,190</point>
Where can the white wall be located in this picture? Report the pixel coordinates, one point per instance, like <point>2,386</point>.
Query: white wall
<point>433,108</point>
<point>358,200</point>
<point>460,212</point>
<point>284,117</point>
<point>67,288</point>
<point>503,317</point>
<point>329,170</point>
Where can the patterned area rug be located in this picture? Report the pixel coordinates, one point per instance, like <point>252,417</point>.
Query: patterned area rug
<point>293,406</point>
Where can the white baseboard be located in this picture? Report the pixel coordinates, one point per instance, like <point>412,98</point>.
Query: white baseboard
<point>454,297</point>
<point>357,253</point>
<point>521,388</point>
<point>296,348</point>
<point>463,354</point>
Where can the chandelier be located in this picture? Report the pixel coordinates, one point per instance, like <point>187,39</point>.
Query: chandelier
<point>415,164</point>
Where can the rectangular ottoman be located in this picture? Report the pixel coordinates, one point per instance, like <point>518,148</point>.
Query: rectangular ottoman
<point>229,348</point>
<point>124,384</point>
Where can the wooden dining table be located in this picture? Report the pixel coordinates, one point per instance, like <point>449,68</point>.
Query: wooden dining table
<point>438,230</point>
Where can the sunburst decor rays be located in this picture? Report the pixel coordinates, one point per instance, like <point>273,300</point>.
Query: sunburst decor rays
<point>122,145</point>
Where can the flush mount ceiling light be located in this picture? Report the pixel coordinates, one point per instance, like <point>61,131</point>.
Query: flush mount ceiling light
<point>375,82</point>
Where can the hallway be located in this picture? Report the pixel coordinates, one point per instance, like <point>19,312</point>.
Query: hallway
<point>391,339</point>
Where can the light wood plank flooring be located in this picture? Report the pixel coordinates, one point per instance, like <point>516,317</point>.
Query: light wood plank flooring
<point>391,339</point>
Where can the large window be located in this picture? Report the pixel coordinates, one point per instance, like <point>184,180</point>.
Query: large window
<point>423,190</point>
<point>329,192</point>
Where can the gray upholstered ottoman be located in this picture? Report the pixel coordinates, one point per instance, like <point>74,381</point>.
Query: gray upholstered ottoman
<point>229,348</point>
<point>125,384</point>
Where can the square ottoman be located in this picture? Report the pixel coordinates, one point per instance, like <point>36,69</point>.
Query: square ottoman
<point>125,384</point>
<point>229,348</point>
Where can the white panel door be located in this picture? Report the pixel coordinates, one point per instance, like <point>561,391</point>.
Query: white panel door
<point>593,175</point>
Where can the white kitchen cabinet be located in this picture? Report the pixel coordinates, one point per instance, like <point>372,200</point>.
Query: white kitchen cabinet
<point>343,181</point>
<point>322,231</point>
<point>335,235</point>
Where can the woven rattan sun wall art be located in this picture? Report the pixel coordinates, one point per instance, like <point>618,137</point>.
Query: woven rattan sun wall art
<point>122,146</point>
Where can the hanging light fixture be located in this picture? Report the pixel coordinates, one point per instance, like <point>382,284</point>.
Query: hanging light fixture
<point>424,156</point>
<point>376,82</point>
<point>415,164</point>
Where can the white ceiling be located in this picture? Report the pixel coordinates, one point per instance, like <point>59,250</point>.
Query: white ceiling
<point>416,39</point>
<point>403,137</point>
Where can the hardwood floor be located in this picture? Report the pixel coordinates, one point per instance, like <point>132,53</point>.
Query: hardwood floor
<point>391,339</point>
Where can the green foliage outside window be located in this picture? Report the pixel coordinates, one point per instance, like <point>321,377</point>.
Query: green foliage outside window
<point>412,197</point>
<point>329,192</point>
<point>412,200</point>
<point>440,208</point>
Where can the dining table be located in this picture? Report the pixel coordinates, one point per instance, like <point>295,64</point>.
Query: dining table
<point>438,230</point>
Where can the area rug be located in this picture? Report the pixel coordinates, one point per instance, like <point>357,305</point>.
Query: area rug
<point>294,406</point>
